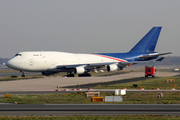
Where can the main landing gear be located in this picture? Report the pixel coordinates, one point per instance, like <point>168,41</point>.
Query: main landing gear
<point>80,75</point>
<point>70,75</point>
<point>85,75</point>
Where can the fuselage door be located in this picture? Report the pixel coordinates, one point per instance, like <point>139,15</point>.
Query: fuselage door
<point>31,62</point>
<point>42,54</point>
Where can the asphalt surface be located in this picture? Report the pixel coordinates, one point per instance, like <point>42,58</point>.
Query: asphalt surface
<point>5,74</point>
<point>108,83</point>
<point>88,109</point>
<point>50,84</point>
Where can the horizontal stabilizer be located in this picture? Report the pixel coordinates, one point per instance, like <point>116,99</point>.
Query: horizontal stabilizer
<point>136,62</point>
<point>160,59</point>
<point>151,56</point>
<point>133,62</point>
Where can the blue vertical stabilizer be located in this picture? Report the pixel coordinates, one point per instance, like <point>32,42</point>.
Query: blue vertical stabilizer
<point>148,42</point>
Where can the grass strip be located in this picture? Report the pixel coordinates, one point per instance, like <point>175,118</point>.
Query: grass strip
<point>146,83</point>
<point>79,98</point>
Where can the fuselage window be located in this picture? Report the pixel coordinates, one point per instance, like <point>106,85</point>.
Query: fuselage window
<point>18,55</point>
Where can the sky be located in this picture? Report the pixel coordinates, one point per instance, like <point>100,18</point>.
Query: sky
<point>86,26</point>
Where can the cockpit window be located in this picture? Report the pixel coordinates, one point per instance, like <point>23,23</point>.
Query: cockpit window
<point>18,55</point>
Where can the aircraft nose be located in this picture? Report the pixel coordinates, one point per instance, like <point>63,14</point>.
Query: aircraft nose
<point>8,63</point>
<point>11,63</point>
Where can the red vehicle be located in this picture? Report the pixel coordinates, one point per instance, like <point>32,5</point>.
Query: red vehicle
<point>150,71</point>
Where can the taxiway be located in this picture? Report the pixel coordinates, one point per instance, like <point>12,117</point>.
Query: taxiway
<point>50,84</point>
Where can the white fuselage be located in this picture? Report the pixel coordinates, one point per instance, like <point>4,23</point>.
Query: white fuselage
<point>48,60</point>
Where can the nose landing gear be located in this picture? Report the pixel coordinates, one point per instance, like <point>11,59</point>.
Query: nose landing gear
<point>23,75</point>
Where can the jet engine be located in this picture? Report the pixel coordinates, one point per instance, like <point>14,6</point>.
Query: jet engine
<point>79,70</point>
<point>112,67</point>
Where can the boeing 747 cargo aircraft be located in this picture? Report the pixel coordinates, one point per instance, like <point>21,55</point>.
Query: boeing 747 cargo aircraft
<point>51,62</point>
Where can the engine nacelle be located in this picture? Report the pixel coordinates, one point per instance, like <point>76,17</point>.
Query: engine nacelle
<point>112,67</point>
<point>79,70</point>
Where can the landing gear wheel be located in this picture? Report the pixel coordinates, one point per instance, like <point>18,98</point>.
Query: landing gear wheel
<point>70,75</point>
<point>88,75</point>
<point>85,75</point>
<point>23,75</point>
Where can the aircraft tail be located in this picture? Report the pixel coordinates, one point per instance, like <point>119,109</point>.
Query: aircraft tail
<point>148,42</point>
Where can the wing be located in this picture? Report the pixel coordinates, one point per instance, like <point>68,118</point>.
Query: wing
<point>82,68</point>
<point>96,66</point>
<point>112,66</point>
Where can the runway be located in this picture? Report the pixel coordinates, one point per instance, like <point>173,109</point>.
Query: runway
<point>88,109</point>
<point>5,74</point>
